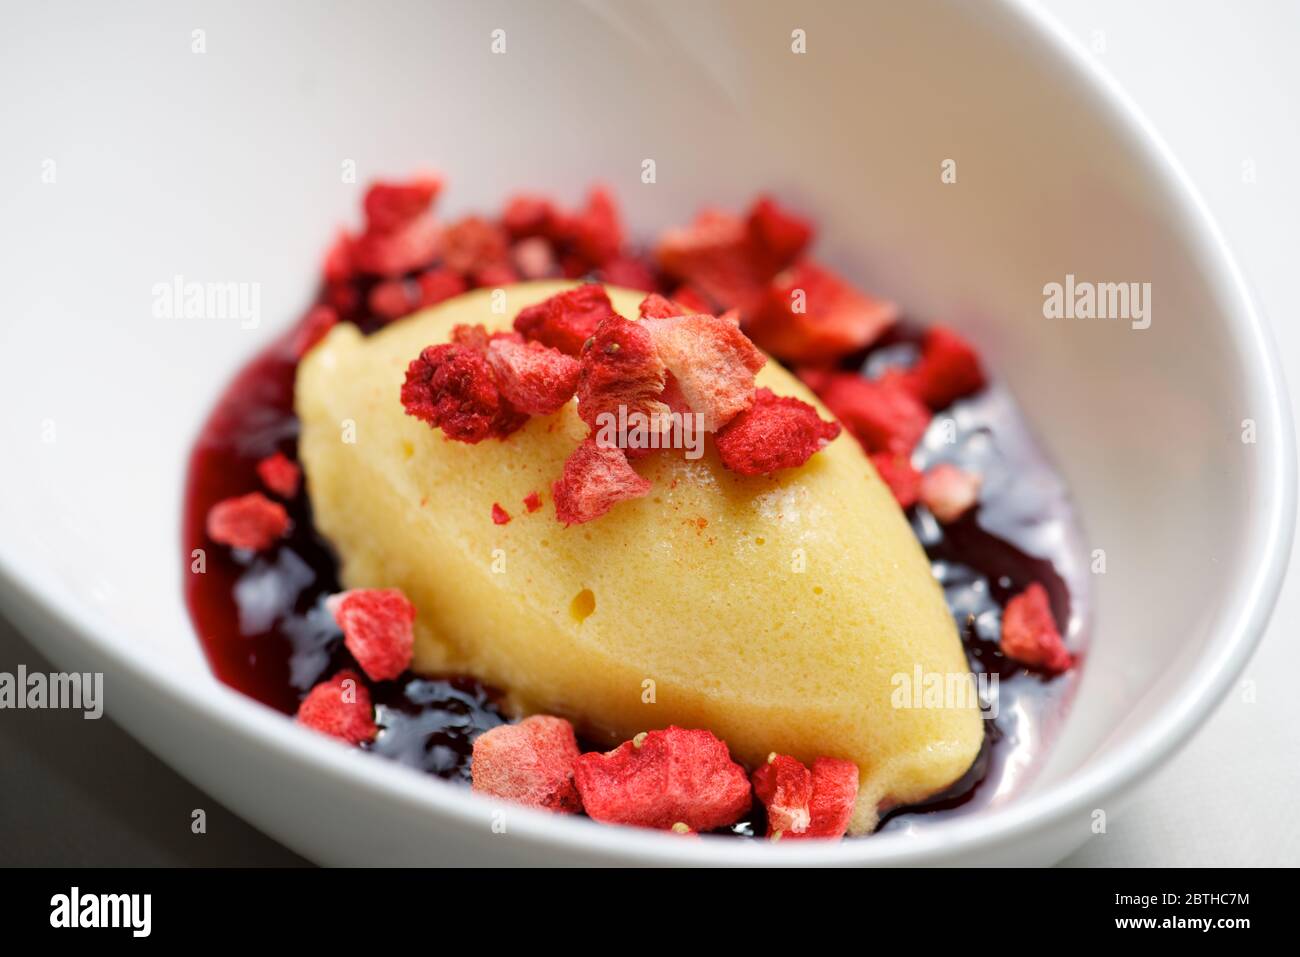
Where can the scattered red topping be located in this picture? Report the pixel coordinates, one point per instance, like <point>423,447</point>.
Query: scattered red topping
<point>529,763</point>
<point>949,492</point>
<point>249,521</point>
<point>451,387</point>
<point>881,415</point>
<point>663,778</point>
<point>715,256</point>
<point>313,328</point>
<point>835,794</point>
<point>411,246</point>
<point>280,474</point>
<point>620,367</point>
<point>713,362</point>
<point>532,502</point>
<point>526,215</point>
<point>809,313</point>
<point>499,515</point>
<point>776,432</point>
<point>784,786</point>
<point>628,272</point>
<point>948,369</point>
<point>533,378</point>
<point>778,236</point>
<point>566,320</point>
<point>655,306</point>
<point>534,257</point>
<point>474,247</point>
<point>378,628</point>
<point>595,479</point>
<point>595,231</point>
<point>439,284</point>
<point>341,708</point>
<point>338,266</point>
<point>692,301</point>
<point>390,206</point>
<point>1029,633</point>
<point>898,473</point>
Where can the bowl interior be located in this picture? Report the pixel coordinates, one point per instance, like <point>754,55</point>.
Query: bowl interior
<point>143,160</point>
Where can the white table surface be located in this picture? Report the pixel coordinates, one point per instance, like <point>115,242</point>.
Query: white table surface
<point>1221,80</point>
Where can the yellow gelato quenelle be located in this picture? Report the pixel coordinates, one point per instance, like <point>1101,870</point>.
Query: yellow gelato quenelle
<point>780,612</point>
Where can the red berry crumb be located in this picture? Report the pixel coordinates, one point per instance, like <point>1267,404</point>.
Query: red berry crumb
<point>949,369</point>
<point>949,492</point>
<point>900,475</point>
<point>474,247</point>
<point>802,803</point>
<point>451,387</point>
<point>341,708</point>
<point>529,763</point>
<point>881,415</point>
<point>835,794</point>
<point>1029,633</point>
<point>280,474</point>
<point>776,432</point>
<point>532,502</point>
<point>499,515</point>
<point>778,236</point>
<point>655,306</point>
<point>715,257</point>
<point>663,778</point>
<point>390,206</point>
<point>595,479</point>
<point>249,521</point>
<point>533,378</point>
<point>713,362</point>
<point>378,628</point>
<point>596,232</point>
<point>566,320</point>
<point>620,367</point>
<point>809,313</point>
<point>392,254</point>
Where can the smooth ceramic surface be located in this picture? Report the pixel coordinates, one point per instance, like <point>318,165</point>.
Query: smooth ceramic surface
<point>224,166</point>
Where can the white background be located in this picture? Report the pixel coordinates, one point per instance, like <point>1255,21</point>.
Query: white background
<point>1221,80</point>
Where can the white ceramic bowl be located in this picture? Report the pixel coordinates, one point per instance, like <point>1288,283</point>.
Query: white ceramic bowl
<point>225,165</point>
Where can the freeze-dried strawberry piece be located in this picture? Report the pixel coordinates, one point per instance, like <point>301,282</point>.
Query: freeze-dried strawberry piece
<point>595,479</point>
<point>655,306</point>
<point>595,230</point>
<point>949,492</point>
<point>566,320</point>
<point>663,778</point>
<point>620,368</point>
<point>834,795</point>
<point>628,272</point>
<point>534,257</point>
<point>900,475</point>
<point>451,387</point>
<point>438,284</point>
<point>529,763</point>
<point>714,255</point>
<point>341,708</point>
<point>713,362</point>
<point>776,432</point>
<point>532,502</point>
<point>948,369</point>
<point>390,206</point>
<point>882,416</point>
<point>250,521</point>
<point>778,236</point>
<point>472,245</point>
<point>692,301</point>
<point>533,378</point>
<point>809,313</point>
<point>393,299</point>
<point>499,515</point>
<point>313,328</point>
<point>394,254</point>
<point>378,628</point>
<point>784,786</point>
<point>528,215</point>
<point>1029,633</point>
<point>280,474</point>
<point>338,266</point>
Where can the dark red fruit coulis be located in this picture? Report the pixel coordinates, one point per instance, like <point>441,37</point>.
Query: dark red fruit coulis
<point>262,621</point>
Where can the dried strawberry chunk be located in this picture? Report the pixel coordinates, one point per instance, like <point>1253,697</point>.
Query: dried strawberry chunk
<point>313,328</point>
<point>393,299</point>
<point>628,272</point>
<point>883,416</point>
<point>809,313</point>
<point>534,257</point>
<point>949,492</point>
<point>777,235</point>
<point>378,628</point>
<point>620,368</point>
<point>527,215</point>
<point>595,479</point>
<point>341,708</point>
<point>499,515</point>
<point>533,378</point>
<point>655,306</point>
<point>451,387</point>
<point>532,502</point>
<point>692,301</point>
<point>1029,633</point>
<point>280,474</point>
<point>948,369</point>
<point>393,254</point>
<point>566,320</point>
<point>438,284</point>
<point>713,362</point>
<point>595,231</point>
<point>249,521</point>
<point>338,266</point>
<point>835,793</point>
<point>390,206</point>
<point>784,786</point>
<point>663,778</point>
<point>472,245</point>
<point>714,255</point>
<point>900,475</point>
<point>776,432</point>
<point>528,763</point>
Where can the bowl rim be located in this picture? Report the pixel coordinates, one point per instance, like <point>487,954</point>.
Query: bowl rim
<point>1251,596</point>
